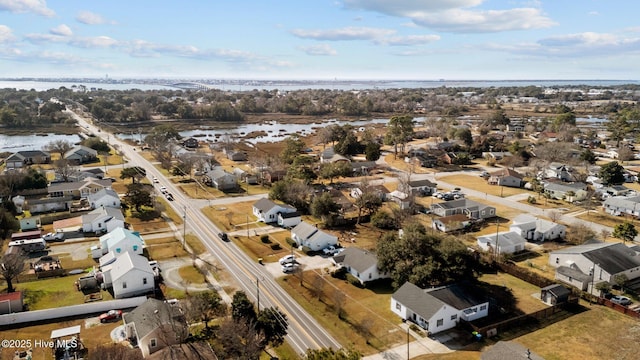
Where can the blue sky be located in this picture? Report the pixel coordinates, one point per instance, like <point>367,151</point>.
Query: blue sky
<point>322,39</point>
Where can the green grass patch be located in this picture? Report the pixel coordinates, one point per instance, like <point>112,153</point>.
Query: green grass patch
<point>191,275</point>
<point>53,293</point>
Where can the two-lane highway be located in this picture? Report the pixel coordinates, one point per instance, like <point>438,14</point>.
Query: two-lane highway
<point>303,331</point>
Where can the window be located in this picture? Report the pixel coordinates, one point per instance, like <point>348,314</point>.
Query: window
<point>99,225</point>
<point>144,281</point>
<point>454,316</point>
<point>398,306</point>
<point>135,247</point>
<point>440,322</point>
<point>124,285</point>
<point>370,275</point>
<point>557,260</point>
<point>153,343</point>
<point>483,307</point>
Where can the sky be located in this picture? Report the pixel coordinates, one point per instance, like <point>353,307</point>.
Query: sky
<point>322,39</point>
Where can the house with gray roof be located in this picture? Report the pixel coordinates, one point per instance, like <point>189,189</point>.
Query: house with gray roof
<point>155,325</point>
<point>441,308</point>
<point>360,263</point>
<point>267,211</point>
<point>128,275</point>
<point>502,243</point>
<point>536,229</point>
<point>472,209</point>
<point>595,262</point>
<point>120,240</point>
<point>104,198</point>
<point>80,154</point>
<point>422,187</point>
<point>78,189</point>
<point>220,179</point>
<point>566,191</point>
<point>622,205</point>
<point>24,158</point>
<point>329,155</point>
<point>307,235</point>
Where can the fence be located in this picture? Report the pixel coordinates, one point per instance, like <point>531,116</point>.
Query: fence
<point>619,308</point>
<point>521,320</point>
<point>524,274</point>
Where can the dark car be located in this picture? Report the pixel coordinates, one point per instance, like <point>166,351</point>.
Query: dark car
<point>223,236</point>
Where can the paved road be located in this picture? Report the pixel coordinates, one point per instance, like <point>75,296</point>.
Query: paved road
<point>304,332</point>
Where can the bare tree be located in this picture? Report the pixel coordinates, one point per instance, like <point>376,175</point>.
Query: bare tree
<point>204,307</point>
<point>317,286</point>
<point>64,169</point>
<point>11,266</point>
<point>59,146</point>
<point>554,215</point>
<point>238,340</point>
<point>366,325</point>
<point>579,234</point>
<point>117,352</point>
<point>339,300</point>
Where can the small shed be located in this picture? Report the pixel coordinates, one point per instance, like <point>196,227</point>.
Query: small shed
<point>554,294</point>
<point>11,302</point>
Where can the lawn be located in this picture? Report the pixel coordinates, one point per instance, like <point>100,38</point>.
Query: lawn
<point>257,249</point>
<point>91,337</point>
<point>165,248</point>
<point>602,218</point>
<point>367,318</point>
<point>232,217</point>
<point>479,184</point>
<point>520,289</point>
<point>191,275</point>
<point>53,293</point>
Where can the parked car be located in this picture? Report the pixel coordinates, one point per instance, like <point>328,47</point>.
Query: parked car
<point>289,259</point>
<point>53,236</point>
<point>110,315</point>
<point>622,300</point>
<point>223,236</point>
<point>163,189</point>
<point>289,268</point>
<point>155,180</point>
<point>169,196</point>
<point>331,250</point>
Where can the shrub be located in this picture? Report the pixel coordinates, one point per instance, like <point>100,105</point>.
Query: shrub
<point>383,220</point>
<point>291,242</point>
<point>265,239</point>
<point>339,273</point>
<point>306,250</point>
<point>353,280</point>
<point>276,247</point>
<point>531,200</point>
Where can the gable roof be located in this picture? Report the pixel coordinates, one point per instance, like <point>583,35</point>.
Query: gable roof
<point>461,203</point>
<point>128,261</point>
<point>557,290</point>
<point>104,192</point>
<point>81,149</point>
<point>420,183</point>
<point>554,186</point>
<point>611,257</point>
<point>150,315</point>
<point>358,259</point>
<point>77,185</point>
<point>304,230</point>
<point>622,202</point>
<point>289,215</point>
<point>427,302</point>
<point>113,213</point>
<point>453,218</point>
<point>504,238</point>
<point>118,234</point>
<point>506,172</point>
<point>264,205</point>
<point>417,300</point>
<point>21,155</point>
<point>458,296</point>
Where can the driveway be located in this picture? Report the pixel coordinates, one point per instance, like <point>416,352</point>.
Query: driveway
<point>316,262</point>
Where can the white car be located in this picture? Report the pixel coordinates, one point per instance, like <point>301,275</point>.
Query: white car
<point>163,189</point>
<point>289,259</point>
<point>331,250</point>
<point>155,180</point>
<point>288,268</point>
<point>622,300</point>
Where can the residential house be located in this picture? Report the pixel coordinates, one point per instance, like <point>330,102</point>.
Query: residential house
<point>81,154</point>
<point>307,235</point>
<point>129,275</point>
<point>196,350</point>
<point>220,179</point>
<point>120,240</point>
<point>11,302</point>
<point>102,220</point>
<point>271,176</point>
<point>472,209</point>
<point>569,192</point>
<point>439,309</point>
<point>496,155</point>
<point>104,198</point>
<point>380,190</point>
<point>48,204</point>
<point>502,243</point>
<point>536,229</point>
<point>422,187</point>
<point>30,223</point>
<point>96,173</point>
<point>267,211</point>
<point>622,205</point>
<point>451,222</point>
<point>404,200</point>
<point>360,263</point>
<point>614,190</point>
<point>583,265</point>
<point>554,294</point>
<point>191,143</point>
<point>506,177</point>
<point>289,220</point>
<point>556,171</point>
<point>79,189</point>
<point>329,155</point>
<point>361,168</point>
<point>24,158</point>
<point>237,156</point>
<point>155,325</point>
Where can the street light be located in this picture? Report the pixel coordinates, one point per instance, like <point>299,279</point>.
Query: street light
<point>184,228</point>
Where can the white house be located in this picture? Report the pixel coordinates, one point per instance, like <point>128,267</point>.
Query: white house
<point>120,240</point>
<point>267,211</point>
<point>360,263</point>
<point>622,205</point>
<point>102,220</point>
<point>289,220</point>
<point>450,223</point>
<point>535,229</point>
<point>504,242</point>
<point>305,234</point>
<point>80,154</point>
<point>220,179</point>
<point>505,177</point>
<point>566,191</point>
<point>129,275</point>
<point>595,262</point>
<point>104,198</point>
<point>438,309</point>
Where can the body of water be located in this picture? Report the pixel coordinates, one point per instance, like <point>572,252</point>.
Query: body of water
<point>32,142</point>
<point>240,85</point>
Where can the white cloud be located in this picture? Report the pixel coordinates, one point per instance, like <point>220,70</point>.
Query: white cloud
<point>94,42</point>
<point>319,50</point>
<point>348,33</point>
<point>405,7</point>
<point>593,13</point>
<point>27,6</point>
<point>464,21</point>
<point>6,35</point>
<point>62,30</point>
<point>410,40</point>
<point>89,18</point>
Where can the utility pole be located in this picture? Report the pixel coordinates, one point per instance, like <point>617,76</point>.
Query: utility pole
<point>184,228</point>
<point>407,342</point>
<point>258,292</point>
